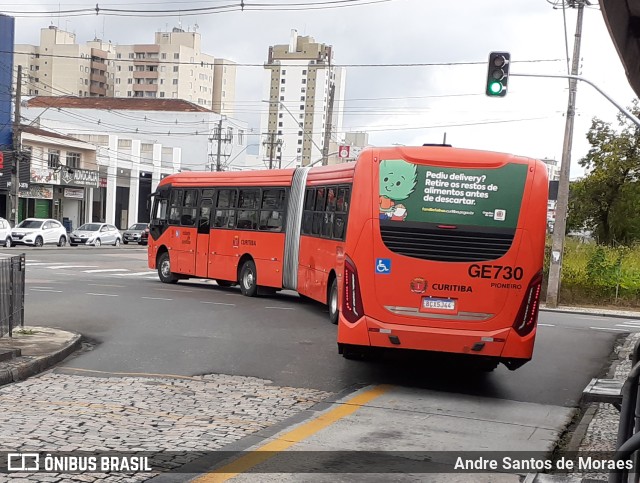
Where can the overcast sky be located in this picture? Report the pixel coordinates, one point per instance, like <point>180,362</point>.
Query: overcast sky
<point>404,105</point>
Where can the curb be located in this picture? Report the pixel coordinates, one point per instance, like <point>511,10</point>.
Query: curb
<point>35,366</point>
<point>595,311</point>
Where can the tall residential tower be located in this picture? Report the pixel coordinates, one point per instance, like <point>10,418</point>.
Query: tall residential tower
<point>305,93</point>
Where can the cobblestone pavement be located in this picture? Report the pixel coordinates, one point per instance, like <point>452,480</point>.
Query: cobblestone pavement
<point>602,431</point>
<point>58,412</point>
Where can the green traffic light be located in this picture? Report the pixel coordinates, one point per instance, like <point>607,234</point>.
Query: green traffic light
<point>495,87</point>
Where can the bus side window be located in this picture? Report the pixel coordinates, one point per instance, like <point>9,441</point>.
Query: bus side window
<point>248,202</point>
<point>271,214</point>
<point>307,215</point>
<point>188,217</point>
<point>205,214</point>
<point>175,208</point>
<point>225,218</point>
<point>342,208</point>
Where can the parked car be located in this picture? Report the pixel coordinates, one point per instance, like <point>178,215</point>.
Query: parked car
<point>137,233</point>
<point>95,234</point>
<point>5,233</point>
<point>38,232</point>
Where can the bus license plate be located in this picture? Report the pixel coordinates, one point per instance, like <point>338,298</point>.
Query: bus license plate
<point>438,304</point>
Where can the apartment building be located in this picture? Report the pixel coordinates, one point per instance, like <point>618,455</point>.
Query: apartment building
<point>173,67</point>
<point>305,93</point>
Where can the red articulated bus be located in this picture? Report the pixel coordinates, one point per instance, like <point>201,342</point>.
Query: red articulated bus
<point>429,248</point>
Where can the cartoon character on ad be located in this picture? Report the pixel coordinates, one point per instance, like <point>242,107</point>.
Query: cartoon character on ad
<point>397,181</point>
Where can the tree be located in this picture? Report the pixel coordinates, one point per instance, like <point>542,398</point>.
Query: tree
<point>607,199</point>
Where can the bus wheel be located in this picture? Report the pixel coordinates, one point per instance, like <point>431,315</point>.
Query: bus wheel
<point>164,269</point>
<point>248,282</point>
<point>333,302</point>
<point>225,283</point>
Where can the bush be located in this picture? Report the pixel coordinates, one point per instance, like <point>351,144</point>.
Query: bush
<point>598,275</point>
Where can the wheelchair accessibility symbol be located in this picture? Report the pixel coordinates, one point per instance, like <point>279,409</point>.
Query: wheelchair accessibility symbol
<point>383,265</point>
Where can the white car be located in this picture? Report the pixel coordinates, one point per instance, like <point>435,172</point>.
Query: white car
<point>95,234</point>
<point>5,233</point>
<point>38,232</point>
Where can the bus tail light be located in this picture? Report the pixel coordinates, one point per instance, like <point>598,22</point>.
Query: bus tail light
<point>528,313</point>
<point>351,300</point>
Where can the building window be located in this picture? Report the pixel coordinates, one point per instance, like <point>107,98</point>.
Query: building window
<point>304,81</point>
<point>128,93</point>
<point>175,68</point>
<point>299,141</point>
<point>161,94</point>
<point>282,81</point>
<point>118,81</point>
<point>304,72</point>
<point>302,98</point>
<point>129,81</point>
<point>131,55</point>
<point>282,89</point>
<point>162,68</point>
<point>176,56</point>
<point>118,56</point>
<point>175,82</point>
<point>73,160</point>
<point>282,98</point>
<point>163,55</point>
<point>119,68</point>
<point>303,90</point>
<point>280,124</point>
<point>240,137</point>
<point>130,68</point>
<point>280,115</point>
<point>53,158</point>
<point>302,107</point>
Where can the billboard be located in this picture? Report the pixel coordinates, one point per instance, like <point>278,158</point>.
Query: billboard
<point>6,73</point>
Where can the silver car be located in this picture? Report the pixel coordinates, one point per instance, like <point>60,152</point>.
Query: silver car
<point>5,233</point>
<point>95,234</point>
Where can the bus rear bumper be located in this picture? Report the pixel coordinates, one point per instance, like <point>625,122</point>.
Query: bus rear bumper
<point>503,344</point>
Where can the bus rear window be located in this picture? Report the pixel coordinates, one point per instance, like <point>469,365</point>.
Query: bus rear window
<point>481,197</point>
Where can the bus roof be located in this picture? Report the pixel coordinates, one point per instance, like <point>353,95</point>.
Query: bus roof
<point>446,155</point>
<point>335,173</point>
<point>265,177</point>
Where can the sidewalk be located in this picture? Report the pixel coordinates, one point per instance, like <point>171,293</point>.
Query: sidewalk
<point>32,350</point>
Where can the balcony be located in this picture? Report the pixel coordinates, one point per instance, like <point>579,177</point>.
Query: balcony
<point>145,87</point>
<point>99,65</point>
<point>97,91</point>
<point>98,78</point>
<point>145,74</point>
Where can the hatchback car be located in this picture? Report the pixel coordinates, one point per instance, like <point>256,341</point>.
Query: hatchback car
<point>5,233</point>
<point>38,232</point>
<point>137,233</point>
<point>95,234</point>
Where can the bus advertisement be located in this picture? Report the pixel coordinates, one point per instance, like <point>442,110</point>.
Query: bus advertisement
<point>429,248</point>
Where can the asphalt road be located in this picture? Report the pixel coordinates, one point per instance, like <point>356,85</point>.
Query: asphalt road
<point>140,325</point>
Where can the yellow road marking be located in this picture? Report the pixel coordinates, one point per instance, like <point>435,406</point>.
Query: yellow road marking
<point>294,436</point>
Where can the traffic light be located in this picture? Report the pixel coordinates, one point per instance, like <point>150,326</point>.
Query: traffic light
<point>498,74</point>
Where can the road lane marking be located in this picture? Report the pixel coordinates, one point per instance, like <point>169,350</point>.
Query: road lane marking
<point>105,285</point>
<point>174,290</point>
<point>547,325</point>
<point>136,274</point>
<point>629,326</point>
<point>102,294</point>
<point>631,322</point>
<point>608,328</point>
<point>45,290</point>
<point>302,432</point>
<point>155,298</point>
<point>59,267</point>
<point>216,303</point>
<point>281,308</point>
<point>101,270</point>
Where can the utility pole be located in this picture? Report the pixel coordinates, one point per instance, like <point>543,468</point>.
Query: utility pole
<point>218,166</point>
<point>560,224</point>
<point>272,143</point>
<point>328,127</point>
<point>17,148</point>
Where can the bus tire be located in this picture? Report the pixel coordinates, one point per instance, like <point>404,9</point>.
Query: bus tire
<point>248,279</point>
<point>164,269</point>
<point>224,283</point>
<point>332,302</point>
